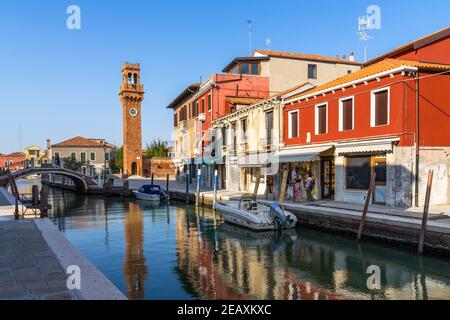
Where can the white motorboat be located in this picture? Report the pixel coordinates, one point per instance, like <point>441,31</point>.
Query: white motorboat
<point>152,193</point>
<point>251,214</point>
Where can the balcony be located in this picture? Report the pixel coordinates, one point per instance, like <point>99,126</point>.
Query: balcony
<point>202,117</point>
<point>125,87</point>
<point>183,126</point>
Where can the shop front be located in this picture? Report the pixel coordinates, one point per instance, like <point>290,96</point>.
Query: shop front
<point>301,161</point>
<point>355,165</point>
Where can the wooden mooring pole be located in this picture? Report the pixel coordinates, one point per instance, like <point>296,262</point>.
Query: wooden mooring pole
<point>425,212</point>
<point>167,182</point>
<point>283,185</point>
<point>16,209</point>
<point>187,187</point>
<point>44,202</point>
<point>197,194</point>
<point>366,206</point>
<point>216,173</point>
<point>152,178</point>
<point>258,181</point>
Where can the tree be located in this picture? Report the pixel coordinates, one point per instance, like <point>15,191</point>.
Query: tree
<point>156,149</point>
<point>118,160</point>
<point>72,164</point>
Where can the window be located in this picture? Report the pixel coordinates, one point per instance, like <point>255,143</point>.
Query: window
<point>244,130</point>
<point>209,102</point>
<point>349,71</point>
<point>312,71</point>
<point>293,124</point>
<point>92,156</point>
<point>73,155</point>
<point>57,155</point>
<point>203,105</point>
<point>321,119</point>
<point>245,69</point>
<point>358,172</point>
<point>194,109</point>
<point>197,107</point>
<point>254,69</point>
<point>107,156</point>
<point>224,136</point>
<point>269,127</point>
<point>379,108</point>
<point>346,117</point>
<point>233,135</point>
<point>175,119</point>
<point>83,157</point>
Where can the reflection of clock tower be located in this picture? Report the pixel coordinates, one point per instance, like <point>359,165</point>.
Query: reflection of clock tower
<point>131,95</point>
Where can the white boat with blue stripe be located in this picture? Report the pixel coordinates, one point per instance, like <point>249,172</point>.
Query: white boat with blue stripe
<point>251,214</point>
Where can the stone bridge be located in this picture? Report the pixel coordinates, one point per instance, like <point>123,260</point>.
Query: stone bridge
<point>82,182</point>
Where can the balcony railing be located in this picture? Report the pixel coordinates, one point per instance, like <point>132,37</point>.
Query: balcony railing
<point>131,87</point>
<point>183,125</point>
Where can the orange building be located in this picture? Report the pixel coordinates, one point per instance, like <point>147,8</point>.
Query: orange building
<point>131,95</point>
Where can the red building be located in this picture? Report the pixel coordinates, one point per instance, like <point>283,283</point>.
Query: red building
<point>391,117</point>
<point>13,161</point>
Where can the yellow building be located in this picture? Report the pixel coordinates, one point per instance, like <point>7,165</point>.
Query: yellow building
<point>33,157</point>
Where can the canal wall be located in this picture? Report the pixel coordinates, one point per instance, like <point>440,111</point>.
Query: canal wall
<point>390,229</point>
<point>94,284</point>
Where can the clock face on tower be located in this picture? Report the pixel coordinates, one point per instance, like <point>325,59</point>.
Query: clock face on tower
<point>133,112</point>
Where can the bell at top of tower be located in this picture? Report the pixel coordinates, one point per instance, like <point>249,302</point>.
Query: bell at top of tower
<point>131,77</point>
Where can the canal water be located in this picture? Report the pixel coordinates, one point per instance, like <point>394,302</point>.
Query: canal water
<point>178,252</point>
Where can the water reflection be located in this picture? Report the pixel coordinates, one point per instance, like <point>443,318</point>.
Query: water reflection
<point>192,254</point>
<point>135,270</point>
<point>233,263</point>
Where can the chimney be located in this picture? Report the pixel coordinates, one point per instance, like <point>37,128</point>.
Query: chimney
<point>337,56</point>
<point>49,144</point>
<point>351,56</point>
<point>344,57</point>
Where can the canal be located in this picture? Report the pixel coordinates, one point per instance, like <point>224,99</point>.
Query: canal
<point>178,252</point>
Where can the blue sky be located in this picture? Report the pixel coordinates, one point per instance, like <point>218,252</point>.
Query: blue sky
<point>59,83</point>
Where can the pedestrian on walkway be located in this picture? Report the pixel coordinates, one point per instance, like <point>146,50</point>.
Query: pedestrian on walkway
<point>298,190</point>
<point>310,185</point>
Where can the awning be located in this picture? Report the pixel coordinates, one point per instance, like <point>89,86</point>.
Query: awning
<point>300,154</point>
<point>253,160</point>
<point>385,145</point>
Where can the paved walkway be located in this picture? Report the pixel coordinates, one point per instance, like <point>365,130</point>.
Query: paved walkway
<point>28,268</point>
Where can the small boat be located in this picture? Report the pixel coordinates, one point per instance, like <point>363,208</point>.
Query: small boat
<point>151,193</point>
<point>251,214</point>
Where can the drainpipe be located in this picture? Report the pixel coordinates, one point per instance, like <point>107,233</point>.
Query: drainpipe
<point>416,197</point>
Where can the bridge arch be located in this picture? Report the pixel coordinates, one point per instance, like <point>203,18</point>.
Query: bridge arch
<point>81,181</point>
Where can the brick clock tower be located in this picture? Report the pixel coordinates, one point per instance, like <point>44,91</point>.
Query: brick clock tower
<point>131,95</point>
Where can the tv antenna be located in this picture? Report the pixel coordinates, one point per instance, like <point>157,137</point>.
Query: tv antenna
<point>250,30</point>
<point>268,43</point>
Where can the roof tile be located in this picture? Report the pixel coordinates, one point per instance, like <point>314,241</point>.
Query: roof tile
<point>305,56</point>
